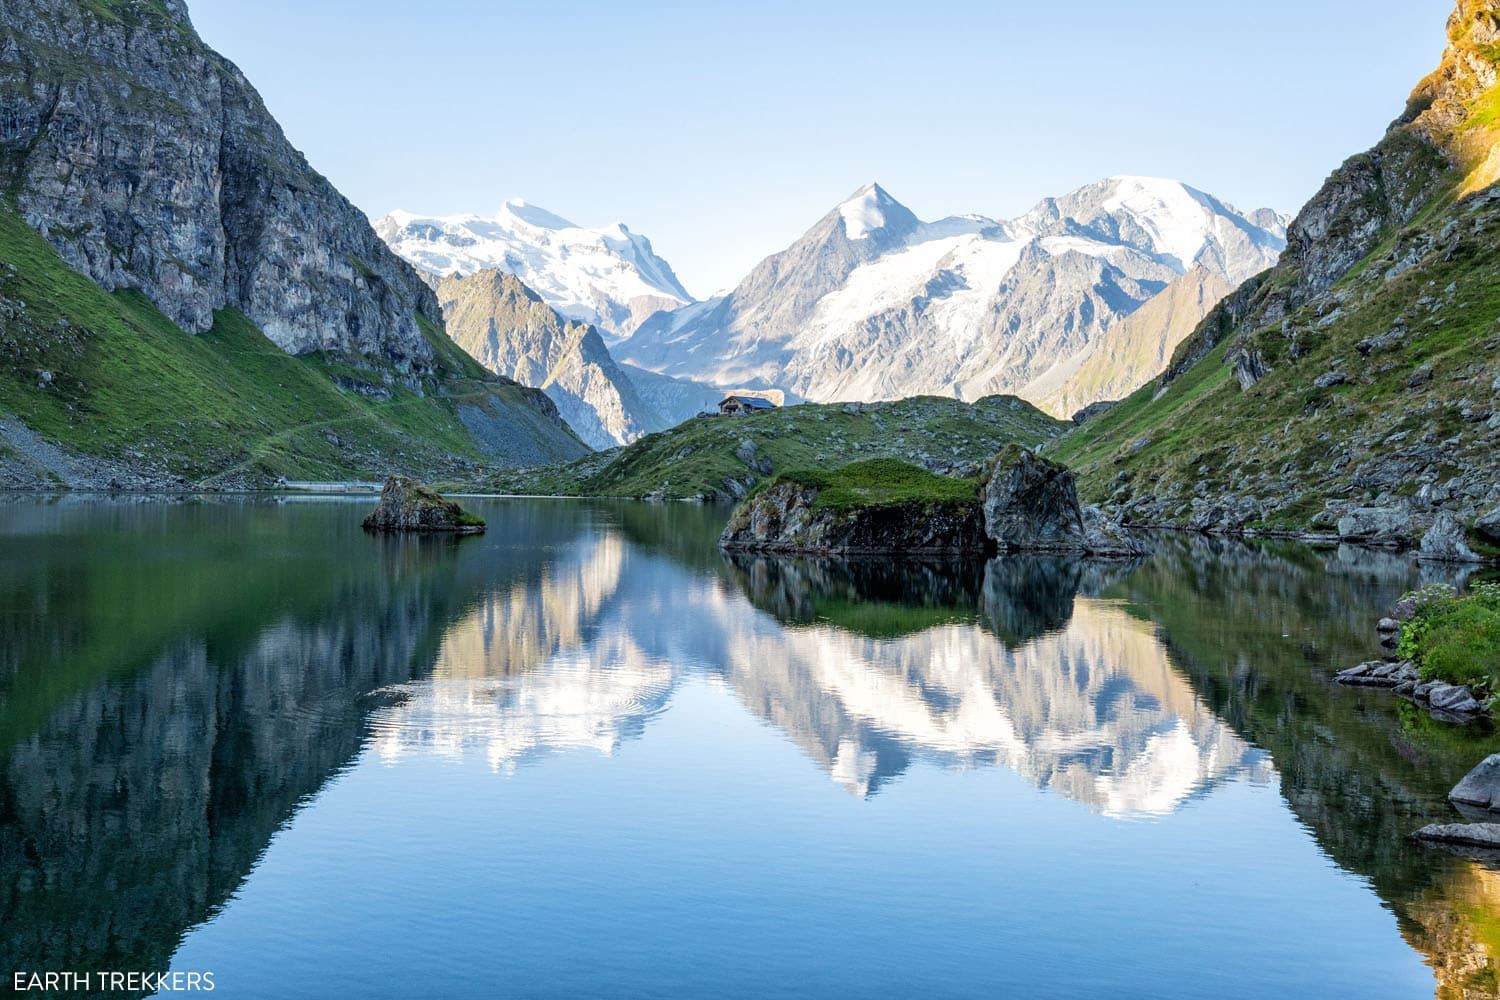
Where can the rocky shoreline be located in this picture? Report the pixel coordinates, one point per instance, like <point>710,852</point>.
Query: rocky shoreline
<point>1456,703</point>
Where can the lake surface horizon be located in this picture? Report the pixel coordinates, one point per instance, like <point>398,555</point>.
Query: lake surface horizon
<point>587,753</point>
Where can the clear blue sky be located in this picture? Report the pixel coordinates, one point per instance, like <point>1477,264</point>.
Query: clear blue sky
<point>723,130</point>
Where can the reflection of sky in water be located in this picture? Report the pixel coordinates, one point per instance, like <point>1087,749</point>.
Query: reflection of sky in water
<point>1092,710</point>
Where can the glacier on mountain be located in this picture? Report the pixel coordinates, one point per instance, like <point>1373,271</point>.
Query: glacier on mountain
<point>609,277</point>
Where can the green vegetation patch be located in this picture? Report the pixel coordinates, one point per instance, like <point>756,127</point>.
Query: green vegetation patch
<point>1456,639</point>
<point>109,375</point>
<point>881,482</point>
<point>707,457</point>
<point>1408,345</point>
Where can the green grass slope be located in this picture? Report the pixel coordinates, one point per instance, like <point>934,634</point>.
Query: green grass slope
<point>726,457</point>
<point>1364,369</point>
<point>1381,392</point>
<point>880,482</point>
<point>107,376</point>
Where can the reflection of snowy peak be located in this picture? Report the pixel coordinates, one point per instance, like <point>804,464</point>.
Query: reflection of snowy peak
<point>609,277</point>
<point>872,303</point>
<point>1089,706</point>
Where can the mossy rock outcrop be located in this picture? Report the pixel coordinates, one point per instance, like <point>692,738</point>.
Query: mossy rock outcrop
<point>880,507</point>
<point>407,505</point>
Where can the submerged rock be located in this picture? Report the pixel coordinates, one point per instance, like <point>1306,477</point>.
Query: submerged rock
<point>1462,834</point>
<point>1031,505</point>
<point>1481,786</point>
<point>407,505</point>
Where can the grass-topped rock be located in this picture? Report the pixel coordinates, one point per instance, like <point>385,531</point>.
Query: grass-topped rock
<point>876,507</point>
<point>407,505</point>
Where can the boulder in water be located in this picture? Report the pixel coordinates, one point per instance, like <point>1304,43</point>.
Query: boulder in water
<point>1031,505</point>
<point>1481,786</point>
<point>1484,835</point>
<point>407,505</point>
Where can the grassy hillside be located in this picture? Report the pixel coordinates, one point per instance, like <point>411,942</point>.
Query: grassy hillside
<point>725,457</point>
<point>1364,369</point>
<point>1379,391</point>
<point>107,376</point>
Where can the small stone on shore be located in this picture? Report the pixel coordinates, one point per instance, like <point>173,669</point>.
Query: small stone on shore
<point>1481,786</point>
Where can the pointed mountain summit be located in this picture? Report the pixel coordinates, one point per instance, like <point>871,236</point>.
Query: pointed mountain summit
<point>873,303</point>
<point>870,210</point>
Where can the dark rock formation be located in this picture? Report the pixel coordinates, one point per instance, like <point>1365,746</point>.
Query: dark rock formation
<point>1093,410</point>
<point>1031,505</point>
<point>407,505</point>
<point>1488,525</point>
<point>786,517</point>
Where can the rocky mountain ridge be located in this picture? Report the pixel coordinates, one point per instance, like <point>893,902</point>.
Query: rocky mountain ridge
<point>185,302</point>
<point>159,168</point>
<point>510,330</point>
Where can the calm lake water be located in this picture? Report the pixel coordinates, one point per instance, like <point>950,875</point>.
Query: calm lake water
<point>587,755</point>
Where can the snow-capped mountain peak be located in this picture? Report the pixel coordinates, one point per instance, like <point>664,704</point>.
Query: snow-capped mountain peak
<point>1178,224</point>
<point>609,276</point>
<point>864,211</point>
<point>873,303</point>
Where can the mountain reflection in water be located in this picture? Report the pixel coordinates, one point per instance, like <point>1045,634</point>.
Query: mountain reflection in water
<point>176,681</point>
<point>884,664</point>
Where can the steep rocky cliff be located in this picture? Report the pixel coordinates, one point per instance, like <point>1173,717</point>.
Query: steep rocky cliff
<point>150,162</point>
<point>868,508</point>
<point>1360,372</point>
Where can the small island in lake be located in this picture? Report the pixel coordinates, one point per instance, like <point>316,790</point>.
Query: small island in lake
<point>407,505</point>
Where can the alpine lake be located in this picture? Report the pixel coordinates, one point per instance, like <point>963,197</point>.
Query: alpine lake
<point>587,754</point>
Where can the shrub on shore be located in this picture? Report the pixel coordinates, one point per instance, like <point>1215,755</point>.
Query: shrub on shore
<point>1455,639</point>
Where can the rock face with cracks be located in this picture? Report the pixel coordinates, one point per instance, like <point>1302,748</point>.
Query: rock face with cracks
<point>787,518</point>
<point>1031,505</point>
<point>150,162</point>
